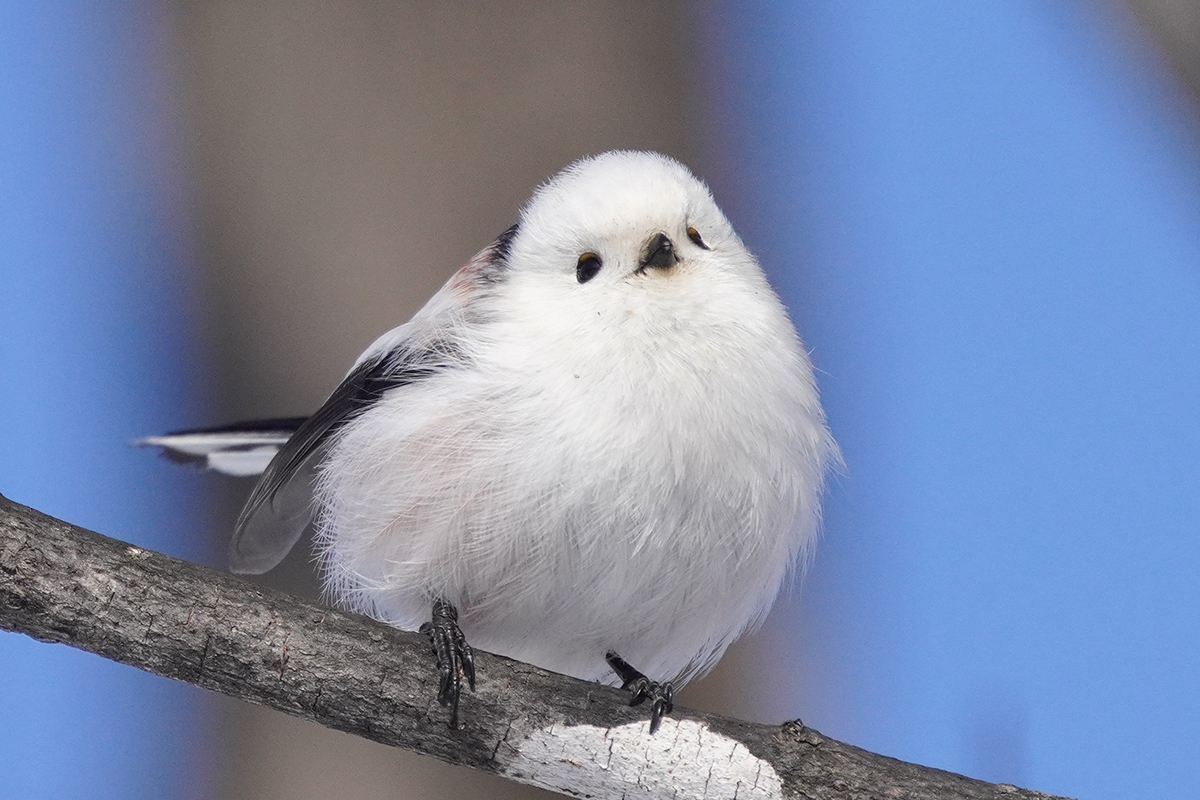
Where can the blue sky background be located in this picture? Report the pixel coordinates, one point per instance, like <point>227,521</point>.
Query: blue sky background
<point>986,219</point>
<point>97,346</point>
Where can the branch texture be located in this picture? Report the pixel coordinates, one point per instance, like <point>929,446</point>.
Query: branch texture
<point>61,583</point>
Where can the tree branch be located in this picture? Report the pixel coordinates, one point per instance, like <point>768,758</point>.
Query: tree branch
<point>61,583</point>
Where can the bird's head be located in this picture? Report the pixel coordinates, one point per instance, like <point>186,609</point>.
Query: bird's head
<point>621,224</point>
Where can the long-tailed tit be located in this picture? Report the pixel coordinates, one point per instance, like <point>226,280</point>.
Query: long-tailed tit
<point>599,445</point>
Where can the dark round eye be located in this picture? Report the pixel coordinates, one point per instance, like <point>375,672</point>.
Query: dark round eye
<point>588,266</point>
<point>694,235</point>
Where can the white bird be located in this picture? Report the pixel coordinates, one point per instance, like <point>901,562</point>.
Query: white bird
<point>601,437</point>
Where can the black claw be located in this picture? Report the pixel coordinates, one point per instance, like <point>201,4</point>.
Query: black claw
<point>454,656</point>
<point>660,695</point>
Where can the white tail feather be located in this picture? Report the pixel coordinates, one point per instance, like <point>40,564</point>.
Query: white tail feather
<point>238,453</point>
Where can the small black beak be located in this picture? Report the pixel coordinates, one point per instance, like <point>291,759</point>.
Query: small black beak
<point>659,253</point>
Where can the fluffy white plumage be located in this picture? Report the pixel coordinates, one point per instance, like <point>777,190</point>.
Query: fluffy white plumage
<point>629,462</point>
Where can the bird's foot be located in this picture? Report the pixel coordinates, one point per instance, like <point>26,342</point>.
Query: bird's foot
<point>660,695</point>
<point>455,658</point>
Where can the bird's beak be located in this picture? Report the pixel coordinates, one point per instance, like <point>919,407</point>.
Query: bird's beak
<point>658,254</point>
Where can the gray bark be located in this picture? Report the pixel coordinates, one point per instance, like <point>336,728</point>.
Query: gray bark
<point>60,583</point>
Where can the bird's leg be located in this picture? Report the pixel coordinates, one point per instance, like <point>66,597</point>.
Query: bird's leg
<point>454,656</point>
<point>660,695</point>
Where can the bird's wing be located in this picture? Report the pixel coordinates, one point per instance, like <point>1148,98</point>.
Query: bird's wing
<point>280,508</point>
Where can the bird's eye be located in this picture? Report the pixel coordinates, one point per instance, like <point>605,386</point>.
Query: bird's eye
<point>694,235</point>
<point>588,266</point>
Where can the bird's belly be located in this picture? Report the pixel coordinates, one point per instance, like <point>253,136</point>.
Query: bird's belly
<point>660,537</point>
<point>665,570</point>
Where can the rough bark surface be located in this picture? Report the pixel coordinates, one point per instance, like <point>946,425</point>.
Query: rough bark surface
<point>60,583</point>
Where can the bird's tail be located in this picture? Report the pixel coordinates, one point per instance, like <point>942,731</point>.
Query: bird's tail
<point>244,448</point>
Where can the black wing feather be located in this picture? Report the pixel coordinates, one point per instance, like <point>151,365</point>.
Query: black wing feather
<point>280,508</point>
